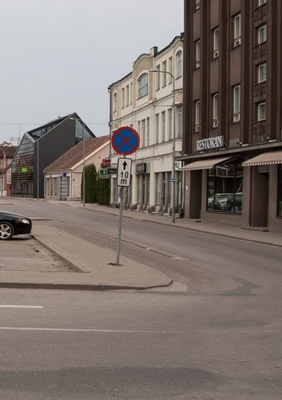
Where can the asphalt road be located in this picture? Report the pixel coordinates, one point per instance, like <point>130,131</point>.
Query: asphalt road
<point>70,345</point>
<point>218,335</point>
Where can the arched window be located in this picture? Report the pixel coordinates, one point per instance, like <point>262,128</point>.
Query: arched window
<point>179,64</point>
<point>143,85</point>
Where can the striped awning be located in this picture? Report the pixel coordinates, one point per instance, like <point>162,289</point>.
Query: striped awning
<point>268,158</point>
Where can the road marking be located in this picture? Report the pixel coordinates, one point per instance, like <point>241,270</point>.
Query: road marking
<point>15,306</point>
<point>10,328</point>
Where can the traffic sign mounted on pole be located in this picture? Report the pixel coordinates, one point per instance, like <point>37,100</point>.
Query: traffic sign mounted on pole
<point>124,172</point>
<point>125,140</point>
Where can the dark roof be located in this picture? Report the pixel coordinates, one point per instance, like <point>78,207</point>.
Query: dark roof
<point>9,150</point>
<point>75,154</point>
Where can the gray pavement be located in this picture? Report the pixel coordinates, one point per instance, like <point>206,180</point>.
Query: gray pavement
<point>94,268</point>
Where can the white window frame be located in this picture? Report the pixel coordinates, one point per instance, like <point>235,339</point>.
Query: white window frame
<point>237,30</point>
<point>197,53</point>
<point>215,110</point>
<point>261,76</point>
<point>262,34</point>
<point>143,86</point>
<point>158,68</point>
<point>197,115</point>
<point>164,68</point>
<point>179,64</point>
<point>236,104</point>
<point>215,42</point>
<point>261,111</point>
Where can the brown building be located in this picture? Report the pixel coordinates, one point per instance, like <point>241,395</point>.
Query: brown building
<point>232,145</point>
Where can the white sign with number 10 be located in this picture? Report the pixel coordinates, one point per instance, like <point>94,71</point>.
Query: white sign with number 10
<point>124,172</point>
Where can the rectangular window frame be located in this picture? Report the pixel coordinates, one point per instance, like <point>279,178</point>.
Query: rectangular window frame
<point>236,103</point>
<point>261,73</point>
<point>237,30</point>
<point>197,115</point>
<point>261,111</point>
<point>215,110</point>
<point>215,42</point>
<point>262,34</point>
<point>197,53</point>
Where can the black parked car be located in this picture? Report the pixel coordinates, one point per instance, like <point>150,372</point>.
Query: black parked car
<point>13,224</point>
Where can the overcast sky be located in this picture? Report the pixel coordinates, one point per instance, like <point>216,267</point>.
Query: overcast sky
<point>60,56</point>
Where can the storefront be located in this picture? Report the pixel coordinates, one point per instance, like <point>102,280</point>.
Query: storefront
<point>240,188</point>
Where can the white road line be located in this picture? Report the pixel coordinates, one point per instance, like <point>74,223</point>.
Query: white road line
<point>15,306</point>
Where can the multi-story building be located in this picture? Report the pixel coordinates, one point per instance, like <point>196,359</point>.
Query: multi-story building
<point>232,147</point>
<point>149,99</point>
<point>39,148</point>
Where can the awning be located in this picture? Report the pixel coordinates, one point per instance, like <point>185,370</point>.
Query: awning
<point>273,157</point>
<point>205,164</point>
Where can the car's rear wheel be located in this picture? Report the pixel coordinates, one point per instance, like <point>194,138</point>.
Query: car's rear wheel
<point>6,230</point>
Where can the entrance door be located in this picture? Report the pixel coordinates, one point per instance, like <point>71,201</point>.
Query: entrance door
<point>260,196</point>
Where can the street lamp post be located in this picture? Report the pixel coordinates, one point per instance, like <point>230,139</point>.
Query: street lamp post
<point>173,180</point>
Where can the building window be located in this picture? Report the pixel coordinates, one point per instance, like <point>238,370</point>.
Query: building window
<point>163,127</point>
<point>170,123</point>
<point>179,64</point>
<point>157,128</point>
<point>197,4</point>
<point>280,190</point>
<point>237,30</point>
<point>236,103</point>
<point>197,53</point>
<point>215,42</point>
<point>170,69</point>
<point>261,72</point>
<point>261,2</point>
<point>179,123</point>
<point>127,95</point>
<point>123,97</point>
<point>143,132</point>
<point>262,33</point>
<point>215,110</point>
<point>115,102</point>
<point>148,132</point>
<point>225,182</point>
<point>261,111</point>
<point>143,86</point>
<point>164,68</point>
<point>197,115</point>
<point>158,68</point>
<point>131,93</point>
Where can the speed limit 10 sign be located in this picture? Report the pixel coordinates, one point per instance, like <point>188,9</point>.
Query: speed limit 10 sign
<point>124,172</point>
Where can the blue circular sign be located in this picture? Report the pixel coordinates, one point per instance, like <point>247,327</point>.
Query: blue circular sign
<point>125,140</point>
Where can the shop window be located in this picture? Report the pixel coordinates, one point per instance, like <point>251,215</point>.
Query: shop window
<point>225,183</point>
<point>280,191</point>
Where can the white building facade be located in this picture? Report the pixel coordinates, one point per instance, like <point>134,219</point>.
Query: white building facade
<point>149,99</point>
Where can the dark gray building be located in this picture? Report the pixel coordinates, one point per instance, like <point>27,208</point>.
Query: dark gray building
<point>232,101</point>
<point>39,148</point>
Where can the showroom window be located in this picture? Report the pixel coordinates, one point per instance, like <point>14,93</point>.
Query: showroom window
<point>280,191</point>
<point>224,192</point>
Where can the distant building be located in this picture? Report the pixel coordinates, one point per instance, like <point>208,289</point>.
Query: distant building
<point>232,144</point>
<point>7,152</point>
<point>144,100</point>
<point>63,178</point>
<point>39,148</point>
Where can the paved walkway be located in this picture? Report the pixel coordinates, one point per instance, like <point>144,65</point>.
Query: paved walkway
<point>94,268</point>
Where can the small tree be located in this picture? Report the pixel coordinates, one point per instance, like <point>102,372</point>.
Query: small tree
<point>103,192</point>
<point>90,184</point>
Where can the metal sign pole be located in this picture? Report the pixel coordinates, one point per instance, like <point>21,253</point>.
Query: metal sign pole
<point>119,224</point>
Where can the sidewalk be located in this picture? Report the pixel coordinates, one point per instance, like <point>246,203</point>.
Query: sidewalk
<point>94,268</point>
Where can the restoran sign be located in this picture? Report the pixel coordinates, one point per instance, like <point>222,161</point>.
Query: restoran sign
<point>210,143</point>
